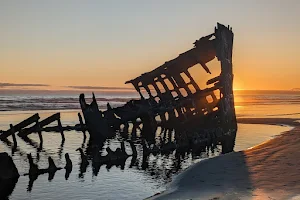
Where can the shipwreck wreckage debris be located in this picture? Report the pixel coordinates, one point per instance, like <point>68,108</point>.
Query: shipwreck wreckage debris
<point>189,117</point>
<point>187,111</point>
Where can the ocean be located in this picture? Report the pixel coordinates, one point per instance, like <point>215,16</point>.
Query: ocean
<point>245,100</point>
<point>136,181</point>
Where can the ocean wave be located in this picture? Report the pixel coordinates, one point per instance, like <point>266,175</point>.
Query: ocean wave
<point>66,102</point>
<point>54,103</point>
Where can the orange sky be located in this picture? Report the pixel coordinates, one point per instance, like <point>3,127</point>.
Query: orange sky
<point>105,44</point>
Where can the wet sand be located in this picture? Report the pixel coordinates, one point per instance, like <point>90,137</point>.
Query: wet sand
<point>270,170</point>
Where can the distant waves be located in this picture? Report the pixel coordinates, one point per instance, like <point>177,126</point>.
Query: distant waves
<point>26,103</point>
<point>249,98</point>
<point>51,101</point>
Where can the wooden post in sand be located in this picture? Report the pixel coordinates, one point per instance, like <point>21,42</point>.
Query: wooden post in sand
<point>61,130</point>
<point>39,131</point>
<point>224,45</point>
<point>82,126</point>
<point>96,124</point>
<point>12,130</point>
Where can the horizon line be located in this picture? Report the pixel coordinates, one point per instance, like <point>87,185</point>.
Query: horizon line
<point>100,88</point>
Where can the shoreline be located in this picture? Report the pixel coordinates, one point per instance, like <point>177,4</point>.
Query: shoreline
<point>270,170</point>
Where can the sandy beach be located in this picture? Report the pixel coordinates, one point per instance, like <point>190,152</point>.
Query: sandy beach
<point>270,170</point>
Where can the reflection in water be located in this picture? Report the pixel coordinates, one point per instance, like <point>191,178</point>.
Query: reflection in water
<point>83,164</point>
<point>34,171</point>
<point>157,158</point>
<point>61,148</point>
<point>112,158</point>
<point>68,166</point>
<point>146,161</point>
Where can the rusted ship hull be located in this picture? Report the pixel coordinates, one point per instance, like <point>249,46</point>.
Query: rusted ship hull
<point>178,106</point>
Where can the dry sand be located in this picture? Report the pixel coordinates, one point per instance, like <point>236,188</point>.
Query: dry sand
<point>268,171</point>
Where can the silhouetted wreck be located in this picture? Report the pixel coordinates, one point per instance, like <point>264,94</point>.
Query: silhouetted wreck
<point>180,107</point>
<point>188,116</point>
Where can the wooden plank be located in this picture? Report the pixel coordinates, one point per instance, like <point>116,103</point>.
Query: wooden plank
<point>224,44</point>
<point>213,80</point>
<point>82,126</point>
<point>61,130</point>
<point>50,119</point>
<point>21,125</point>
<point>39,125</point>
<point>12,129</point>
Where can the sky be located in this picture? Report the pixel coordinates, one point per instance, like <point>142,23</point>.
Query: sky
<point>61,44</point>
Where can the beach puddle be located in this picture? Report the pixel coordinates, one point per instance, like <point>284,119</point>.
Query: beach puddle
<point>250,135</point>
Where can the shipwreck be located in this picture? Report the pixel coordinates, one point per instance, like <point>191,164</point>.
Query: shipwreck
<point>172,108</point>
<point>181,108</point>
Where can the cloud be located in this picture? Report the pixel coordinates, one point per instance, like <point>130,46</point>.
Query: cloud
<point>2,85</point>
<point>295,89</point>
<point>99,88</point>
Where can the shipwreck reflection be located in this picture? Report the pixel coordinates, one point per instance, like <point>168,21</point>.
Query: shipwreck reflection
<point>35,171</point>
<point>159,157</point>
